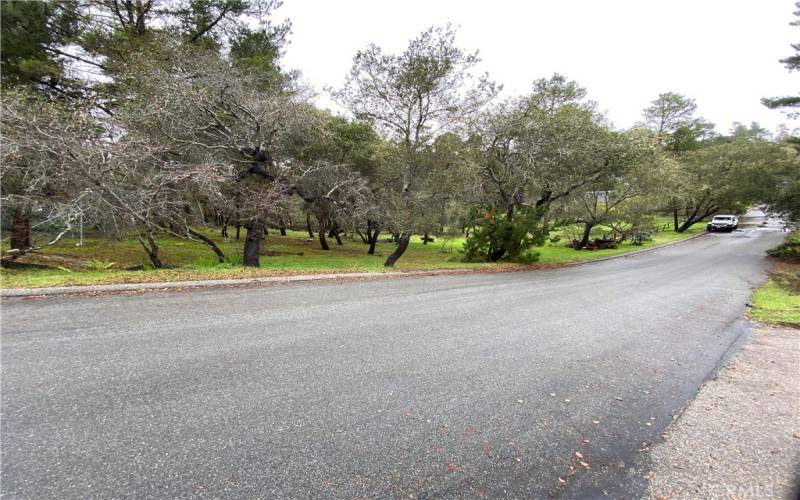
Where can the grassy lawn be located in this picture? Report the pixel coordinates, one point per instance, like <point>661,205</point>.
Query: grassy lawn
<point>778,301</point>
<point>775,304</point>
<point>106,261</point>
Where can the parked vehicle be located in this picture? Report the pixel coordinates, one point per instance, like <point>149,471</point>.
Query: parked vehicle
<point>723,223</point>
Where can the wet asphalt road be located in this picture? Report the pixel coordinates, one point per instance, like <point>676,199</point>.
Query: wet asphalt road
<point>437,387</point>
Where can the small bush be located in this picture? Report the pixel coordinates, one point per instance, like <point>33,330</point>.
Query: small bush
<point>640,237</point>
<point>494,237</point>
<point>790,249</point>
<point>528,257</point>
<point>100,265</point>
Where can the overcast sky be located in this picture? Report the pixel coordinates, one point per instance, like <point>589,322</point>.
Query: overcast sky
<point>723,53</point>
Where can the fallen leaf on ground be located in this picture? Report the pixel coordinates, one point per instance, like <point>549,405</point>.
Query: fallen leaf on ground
<point>454,468</point>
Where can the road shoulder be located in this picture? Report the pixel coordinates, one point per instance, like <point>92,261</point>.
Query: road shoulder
<point>740,437</point>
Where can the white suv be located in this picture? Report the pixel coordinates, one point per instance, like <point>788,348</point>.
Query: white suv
<point>723,223</point>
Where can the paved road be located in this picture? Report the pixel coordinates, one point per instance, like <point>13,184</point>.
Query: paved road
<point>445,387</point>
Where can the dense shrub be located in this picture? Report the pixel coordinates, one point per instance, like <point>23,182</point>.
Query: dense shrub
<point>787,250</point>
<point>494,236</point>
<point>641,236</point>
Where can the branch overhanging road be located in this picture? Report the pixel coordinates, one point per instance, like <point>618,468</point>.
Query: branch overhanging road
<point>540,384</point>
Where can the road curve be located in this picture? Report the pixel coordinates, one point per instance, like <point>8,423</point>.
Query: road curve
<point>445,387</point>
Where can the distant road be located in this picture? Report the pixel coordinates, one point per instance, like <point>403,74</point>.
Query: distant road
<point>442,387</point>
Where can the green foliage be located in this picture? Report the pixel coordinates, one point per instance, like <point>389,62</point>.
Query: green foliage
<point>789,249</point>
<point>529,257</point>
<point>782,189</point>
<point>641,236</point>
<point>342,141</point>
<point>687,136</point>
<point>792,63</point>
<point>258,51</point>
<point>30,32</point>
<point>494,236</point>
<point>200,16</point>
<point>100,264</point>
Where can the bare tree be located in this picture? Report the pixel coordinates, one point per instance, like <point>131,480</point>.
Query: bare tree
<point>207,112</point>
<point>38,172</point>
<point>336,195</point>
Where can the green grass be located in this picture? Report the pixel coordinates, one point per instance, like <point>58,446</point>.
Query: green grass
<point>70,264</point>
<point>778,301</point>
<point>559,252</point>
<point>775,304</point>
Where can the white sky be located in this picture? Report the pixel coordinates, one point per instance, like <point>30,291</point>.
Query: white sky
<point>722,53</point>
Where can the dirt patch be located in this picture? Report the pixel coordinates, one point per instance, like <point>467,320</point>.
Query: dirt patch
<point>278,253</point>
<point>53,261</point>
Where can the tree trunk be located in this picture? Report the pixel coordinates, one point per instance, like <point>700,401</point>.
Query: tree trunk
<point>402,245</point>
<point>587,231</point>
<point>209,243</point>
<point>372,236</point>
<point>308,226</point>
<point>696,217</point>
<point>373,241</point>
<point>151,248</point>
<point>322,241</point>
<point>674,219</point>
<point>691,221</point>
<point>252,244</point>
<point>21,229</point>
<point>283,230</point>
<point>335,231</point>
<point>238,229</point>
